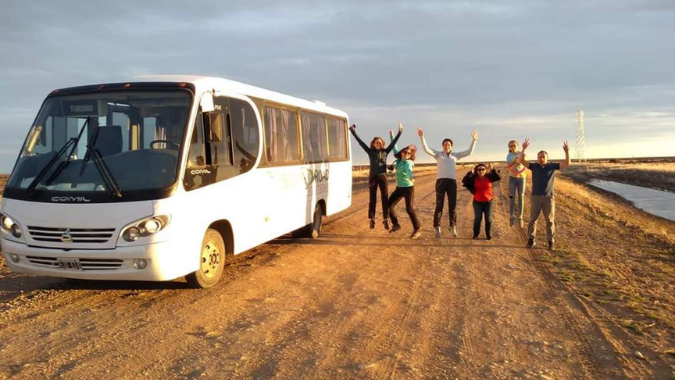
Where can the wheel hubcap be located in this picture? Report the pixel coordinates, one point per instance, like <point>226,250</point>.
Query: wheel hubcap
<point>210,259</point>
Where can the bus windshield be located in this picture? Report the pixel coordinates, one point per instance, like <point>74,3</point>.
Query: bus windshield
<point>134,136</point>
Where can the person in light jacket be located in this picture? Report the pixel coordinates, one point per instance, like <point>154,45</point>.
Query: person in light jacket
<point>446,178</point>
<point>517,180</point>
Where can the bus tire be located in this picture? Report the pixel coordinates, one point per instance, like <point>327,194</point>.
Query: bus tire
<point>311,230</point>
<point>315,226</point>
<point>211,261</point>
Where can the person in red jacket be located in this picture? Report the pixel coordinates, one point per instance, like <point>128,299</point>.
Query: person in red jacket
<point>480,180</point>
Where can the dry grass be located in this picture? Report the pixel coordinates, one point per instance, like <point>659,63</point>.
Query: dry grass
<point>3,181</point>
<point>617,256</point>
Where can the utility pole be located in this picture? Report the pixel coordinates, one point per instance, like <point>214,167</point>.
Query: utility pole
<point>581,154</point>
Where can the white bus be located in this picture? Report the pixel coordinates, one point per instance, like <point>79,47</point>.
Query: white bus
<point>167,177</point>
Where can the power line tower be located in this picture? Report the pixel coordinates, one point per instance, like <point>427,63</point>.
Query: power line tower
<point>581,154</point>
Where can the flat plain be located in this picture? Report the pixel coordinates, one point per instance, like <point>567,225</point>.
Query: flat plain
<point>368,304</point>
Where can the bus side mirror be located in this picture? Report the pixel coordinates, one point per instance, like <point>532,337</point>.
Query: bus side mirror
<point>206,103</point>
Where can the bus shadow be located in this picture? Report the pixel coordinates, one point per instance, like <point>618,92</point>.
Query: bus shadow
<point>16,285</point>
<point>343,240</point>
<point>77,284</point>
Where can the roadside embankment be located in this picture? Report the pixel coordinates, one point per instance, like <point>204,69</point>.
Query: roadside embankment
<point>656,175</point>
<point>618,259</point>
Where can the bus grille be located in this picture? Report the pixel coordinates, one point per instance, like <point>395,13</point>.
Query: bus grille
<point>85,264</point>
<point>77,235</point>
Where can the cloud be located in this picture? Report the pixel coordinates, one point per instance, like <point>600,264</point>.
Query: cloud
<point>501,66</point>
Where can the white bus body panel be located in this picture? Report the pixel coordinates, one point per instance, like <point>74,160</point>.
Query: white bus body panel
<point>260,205</point>
<point>110,260</point>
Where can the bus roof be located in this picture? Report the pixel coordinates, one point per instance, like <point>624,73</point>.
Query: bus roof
<point>204,83</point>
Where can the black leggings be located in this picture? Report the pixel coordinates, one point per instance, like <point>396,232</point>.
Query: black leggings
<point>375,181</point>
<point>446,186</point>
<point>409,194</point>
<point>480,209</point>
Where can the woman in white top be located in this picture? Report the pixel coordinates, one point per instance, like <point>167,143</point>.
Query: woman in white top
<point>446,178</point>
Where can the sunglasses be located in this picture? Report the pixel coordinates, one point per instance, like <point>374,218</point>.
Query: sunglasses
<point>512,146</point>
<point>480,170</point>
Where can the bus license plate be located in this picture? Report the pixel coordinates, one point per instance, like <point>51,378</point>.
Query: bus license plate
<point>69,264</point>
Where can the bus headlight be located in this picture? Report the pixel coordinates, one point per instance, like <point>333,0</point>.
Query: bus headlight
<point>132,234</point>
<point>10,226</point>
<point>145,227</point>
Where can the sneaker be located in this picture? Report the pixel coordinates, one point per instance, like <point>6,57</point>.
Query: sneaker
<point>551,246</point>
<point>475,237</point>
<point>438,231</point>
<point>416,234</point>
<point>512,221</point>
<point>488,237</point>
<point>372,224</point>
<point>520,222</point>
<point>530,243</point>
<point>395,228</point>
<point>453,229</point>
<point>386,224</point>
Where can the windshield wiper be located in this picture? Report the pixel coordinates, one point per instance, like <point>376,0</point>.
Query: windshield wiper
<point>113,188</point>
<point>72,142</point>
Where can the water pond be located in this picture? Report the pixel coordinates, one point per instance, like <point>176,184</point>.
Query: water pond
<point>657,202</point>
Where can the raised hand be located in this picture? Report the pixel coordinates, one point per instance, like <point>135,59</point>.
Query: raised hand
<point>391,133</point>
<point>353,127</point>
<point>526,143</point>
<point>566,147</point>
<point>474,135</point>
<point>420,132</point>
<point>400,127</point>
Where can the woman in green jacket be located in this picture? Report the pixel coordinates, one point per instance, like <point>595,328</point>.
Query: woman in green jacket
<point>404,188</point>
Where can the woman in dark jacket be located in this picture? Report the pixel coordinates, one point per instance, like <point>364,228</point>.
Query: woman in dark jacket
<point>377,154</point>
<point>479,181</point>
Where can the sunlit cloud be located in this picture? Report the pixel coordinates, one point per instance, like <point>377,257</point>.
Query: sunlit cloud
<point>509,69</point>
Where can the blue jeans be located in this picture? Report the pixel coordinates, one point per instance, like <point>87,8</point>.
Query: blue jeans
<point>480,208</point>
<point>516,186</point>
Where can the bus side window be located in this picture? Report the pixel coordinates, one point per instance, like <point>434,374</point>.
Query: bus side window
<point>221,154</point>
<point>313,137</point>
<point>337,139</point>
<point>197,174</point>
<point>245,136</point>
<point>281,136</point>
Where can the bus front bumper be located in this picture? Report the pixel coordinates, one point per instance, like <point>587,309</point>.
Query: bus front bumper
<point>163,261</point>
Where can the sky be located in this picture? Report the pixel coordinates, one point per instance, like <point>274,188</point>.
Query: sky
<point>509,69</point>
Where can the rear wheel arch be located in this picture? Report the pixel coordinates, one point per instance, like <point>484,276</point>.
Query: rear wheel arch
<point>322,205</point>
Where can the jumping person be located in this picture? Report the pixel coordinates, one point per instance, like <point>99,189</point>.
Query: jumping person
<point>542,199</point>
<point>517,177</point>
<point>479,181</point>
<point>404,188</point>
<point>446,179</point>
<point>377,154</point>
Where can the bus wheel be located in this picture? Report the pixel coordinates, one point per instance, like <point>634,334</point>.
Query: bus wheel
<point>313,229</point>
<point>315,226</point>
<point>211,261</point>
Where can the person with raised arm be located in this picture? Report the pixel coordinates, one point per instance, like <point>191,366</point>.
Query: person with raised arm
<point>517,178</point>
<point>377,177</point>
<point>405,188</point>
<point>543,199</point>
<point>446,178</point>
<point>479,182</point>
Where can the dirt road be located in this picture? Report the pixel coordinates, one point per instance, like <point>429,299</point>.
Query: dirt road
<point>356,304</point>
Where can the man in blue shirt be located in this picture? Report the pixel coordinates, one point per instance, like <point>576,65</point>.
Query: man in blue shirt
<point>542,199</point>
